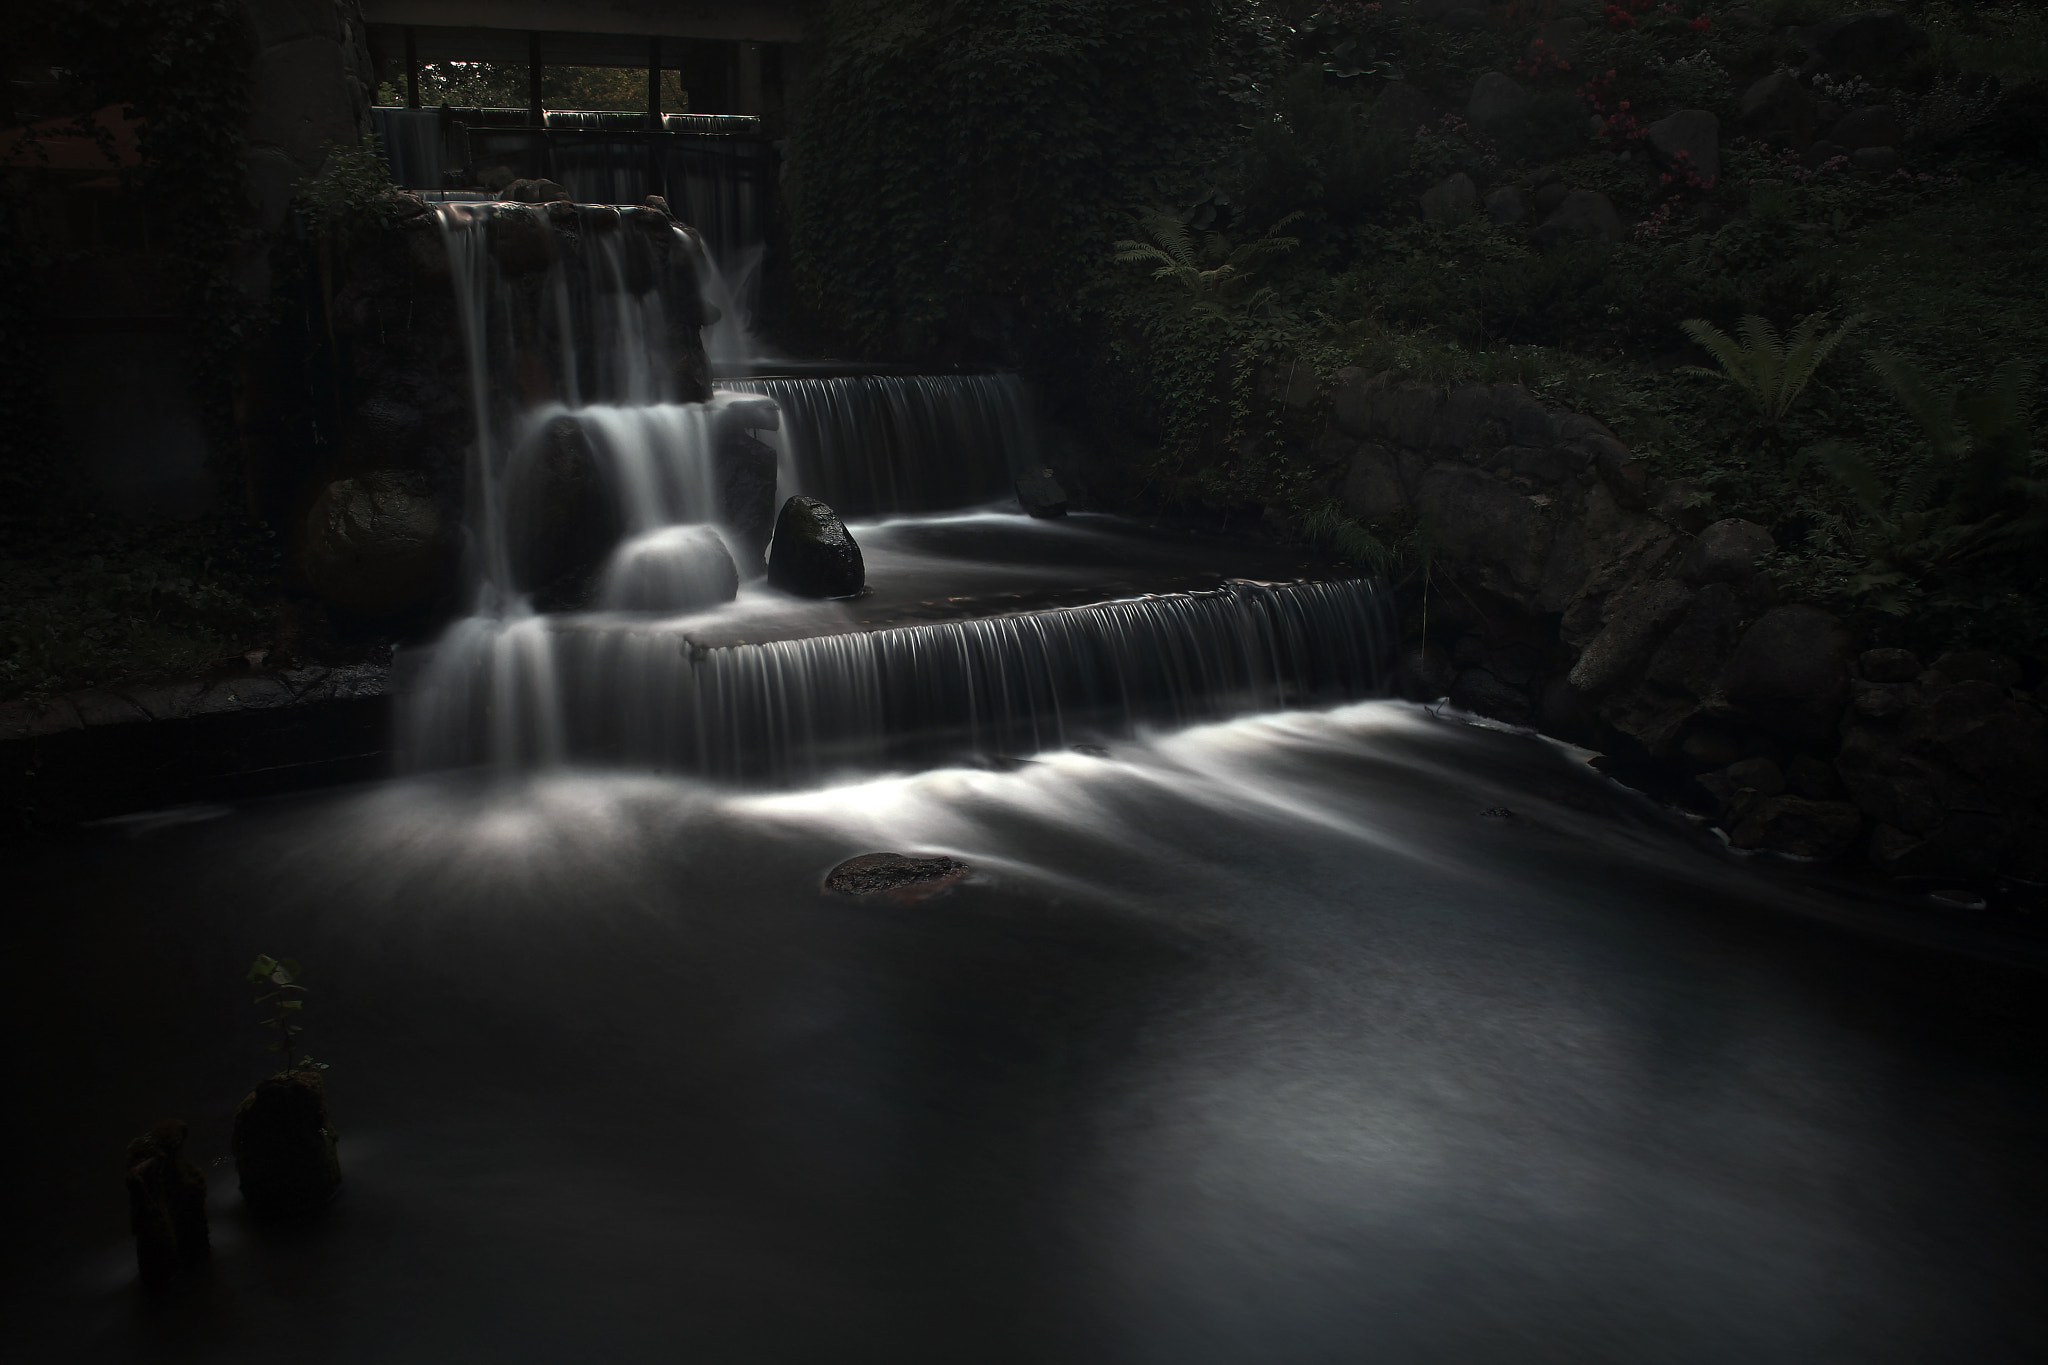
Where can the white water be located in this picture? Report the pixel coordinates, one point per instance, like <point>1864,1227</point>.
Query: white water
<point>581,369</point>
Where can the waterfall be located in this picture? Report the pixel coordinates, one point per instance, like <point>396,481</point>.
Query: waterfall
<point>875,444</point>
<point>599,691</point>
<point>607,551</point>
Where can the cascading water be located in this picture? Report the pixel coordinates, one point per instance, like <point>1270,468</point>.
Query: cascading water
<point>607,553</point>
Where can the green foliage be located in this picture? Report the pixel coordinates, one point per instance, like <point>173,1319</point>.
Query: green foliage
<point>350,198</point>
<point>1207,264</point>
<point>1315,152</point>
<point>1973,491</point>
<point>97,601</point>
<point>1384,550</point>
<point>287,999</point>
<point>1772,372</point>
<point>505,85</point>
<point>949,155</point>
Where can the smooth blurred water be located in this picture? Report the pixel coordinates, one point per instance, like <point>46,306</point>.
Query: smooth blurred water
<point>1258,1041</point>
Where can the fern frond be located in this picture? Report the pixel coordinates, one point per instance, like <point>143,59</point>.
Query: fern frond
<point>1935,413</point>
<point>1807,352</point>
<point>1172,235</point>
<point>1735,365</point>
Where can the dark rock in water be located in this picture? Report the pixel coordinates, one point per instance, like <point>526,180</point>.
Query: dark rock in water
<point>1790,673</point>
<point>1041,494</point>
<point>535,192</point>
<point>1478,691</point>
<point>813,554</point>
<point>284,1145</point>
<point>1795,825</point>
<point>166,1203</point>
<point>674,569</point>
<point>658,203</point>
<point>374,544</point>
<point>560,508</point>
<point>902,877</point>
<point>521,240</point>
<point>746,496</point>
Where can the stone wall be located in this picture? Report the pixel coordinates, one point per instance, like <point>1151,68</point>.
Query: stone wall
<point>1575,593</point>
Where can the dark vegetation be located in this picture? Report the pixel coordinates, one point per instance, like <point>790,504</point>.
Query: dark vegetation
<point>955,198</point>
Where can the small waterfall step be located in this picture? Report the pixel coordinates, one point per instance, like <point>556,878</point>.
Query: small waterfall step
<point>595,690</point>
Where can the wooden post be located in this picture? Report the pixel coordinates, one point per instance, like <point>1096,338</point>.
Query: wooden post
<point>533,81</point>
<point>412,68</point>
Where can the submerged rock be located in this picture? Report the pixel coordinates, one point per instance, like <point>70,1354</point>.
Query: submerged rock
<point>902,877</point>
<point>166,1203</point>
<point>284,1145</point>
<point>1041,495</point>
<point>674,569</point>
<point>813,554</point>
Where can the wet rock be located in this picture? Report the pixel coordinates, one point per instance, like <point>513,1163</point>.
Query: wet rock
<point>903,877</point>
<point>1653,717</point>
<point>166,1204</point>
<point>1872,126</point>
<point>560,507</point>
<point>374,544</point>
<point>1725,552</point>
<point>1798,826</point>
<point>1372,488</point>
<point>284,1145</point>
<point>1690,137</point>
<point>534,192</point>
<point>1889,665</point>
<point>675,569</point>
<point>1779,107</point>
<point>1424,672</point>
<point>746,497</point>
<point>1789,675</point>
<point>1478,691</point>
<point>1759,775</point>
<point>659,204</point>
<point>813,554</point>
<point>1452,198</point>
<point>1505,207</point>
<point>1041,495</point>
<point>1583,216</point>
<point>521,240</point>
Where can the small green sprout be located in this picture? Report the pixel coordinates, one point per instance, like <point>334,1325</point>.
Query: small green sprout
<point>282,975</point>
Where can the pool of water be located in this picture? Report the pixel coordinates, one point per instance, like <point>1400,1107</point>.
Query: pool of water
<point>1324,1036</point>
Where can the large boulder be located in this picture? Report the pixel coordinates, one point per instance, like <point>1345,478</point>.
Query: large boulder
<point>1789,675</point>
<point>1634,620</point>
<point>1453,198</point>
<point>1495,99</point>
<point>813,554</point>
<point>1584,216</point>
<point>1041,495</point>
<point>560,510</point>
<point>1778,107</point>
<point>1690,138</point>
<point>1505,206</point>
<point>375,545</point>
<point>1725,552</point>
